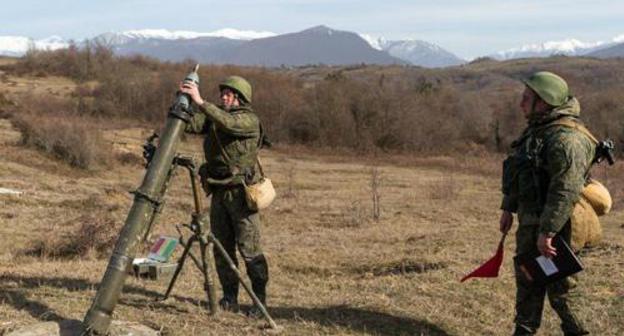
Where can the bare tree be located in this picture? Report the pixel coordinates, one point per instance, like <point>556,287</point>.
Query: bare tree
<point>375,184</point>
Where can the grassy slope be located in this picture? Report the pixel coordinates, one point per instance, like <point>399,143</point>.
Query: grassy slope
<point>333,269</point>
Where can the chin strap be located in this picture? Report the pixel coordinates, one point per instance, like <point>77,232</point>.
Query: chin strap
<point>533,103</point>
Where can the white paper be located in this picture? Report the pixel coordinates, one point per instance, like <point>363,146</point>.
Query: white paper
<point>137,261</point>
<point>547,265</point>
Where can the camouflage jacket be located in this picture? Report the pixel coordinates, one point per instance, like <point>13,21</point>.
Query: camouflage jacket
<point>237,131</point>
<point>548,167</point>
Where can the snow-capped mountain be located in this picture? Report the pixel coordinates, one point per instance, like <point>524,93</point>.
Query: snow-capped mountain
<point>417,52</point>
<point>374,42</point>
<point>569,47</point>
<point>616,49</point>
<point>163,34</point>
<point>316,45</point>
<point>19,45</point>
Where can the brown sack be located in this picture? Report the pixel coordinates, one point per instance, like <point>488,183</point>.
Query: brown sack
<point>260,195</point>
<point>598,196</point>
<point>586,229</point>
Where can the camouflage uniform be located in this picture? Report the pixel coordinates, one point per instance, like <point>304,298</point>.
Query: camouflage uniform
<point>543,178</point>
<point>231,148</point>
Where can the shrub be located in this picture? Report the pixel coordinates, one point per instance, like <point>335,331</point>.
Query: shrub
<point>5,103</point>
<point>363,108</point>
<point>67,137</point>
<point>93,235</point>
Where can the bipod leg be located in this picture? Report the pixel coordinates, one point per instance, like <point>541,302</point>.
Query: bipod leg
<point>248,288</point>
<point>209,285</point>
<point>187,249</point>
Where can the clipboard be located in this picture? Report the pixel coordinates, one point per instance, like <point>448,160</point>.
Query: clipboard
<point>540,270</point>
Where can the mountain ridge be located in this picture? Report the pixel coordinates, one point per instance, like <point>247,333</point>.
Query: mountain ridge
<point>232,46</point>
<point>568,47</point>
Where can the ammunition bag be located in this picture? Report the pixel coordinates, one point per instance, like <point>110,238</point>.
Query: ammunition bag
<point>586,229</point>
<point>597,195</point>
<point>260,195</point>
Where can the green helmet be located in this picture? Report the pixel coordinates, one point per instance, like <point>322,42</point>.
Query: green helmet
<point>238,84</point>
<point>550,87</point>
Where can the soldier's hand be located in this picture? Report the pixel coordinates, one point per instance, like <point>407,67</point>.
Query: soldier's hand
<point>192,90</point>
<point>544,246</point>
<point>506,221</point>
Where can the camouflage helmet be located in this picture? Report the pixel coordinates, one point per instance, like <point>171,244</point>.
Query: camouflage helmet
<point>240,85</point>
<point>550,87</point>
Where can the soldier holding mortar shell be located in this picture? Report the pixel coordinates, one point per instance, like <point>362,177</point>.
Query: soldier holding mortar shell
<point>233,137</point>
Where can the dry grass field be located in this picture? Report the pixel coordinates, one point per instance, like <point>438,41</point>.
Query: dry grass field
<point>334,269</point>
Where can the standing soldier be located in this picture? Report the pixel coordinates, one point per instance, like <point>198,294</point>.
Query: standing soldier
<point>232,141</point>
<point>542,180</point>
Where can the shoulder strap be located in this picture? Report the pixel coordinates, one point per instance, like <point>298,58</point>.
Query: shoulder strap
<point>577,125</point>
<point>571,123</point>
<point>260,166</point>
<point>223,152</point>
<point>259,147</point>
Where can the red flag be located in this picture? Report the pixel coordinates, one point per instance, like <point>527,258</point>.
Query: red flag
<point>491,267</point>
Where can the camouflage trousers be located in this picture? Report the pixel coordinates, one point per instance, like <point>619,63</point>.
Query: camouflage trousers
<point>235,225</point>
<point>563,295</point>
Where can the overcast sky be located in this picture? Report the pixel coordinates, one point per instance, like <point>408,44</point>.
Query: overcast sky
<point>467,28</point>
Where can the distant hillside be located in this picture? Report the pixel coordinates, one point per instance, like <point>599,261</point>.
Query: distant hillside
<point>614,51</point>
<point>393,107</point>
<point>314,46</point>
<point>569,47</point>
<point>421,53</point>
<point>317,45</point>
<point>203,49</point>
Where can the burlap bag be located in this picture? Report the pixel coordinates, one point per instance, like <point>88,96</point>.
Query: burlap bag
<point>598,196</point>
<point>260,195</point>
<point>586,229</point>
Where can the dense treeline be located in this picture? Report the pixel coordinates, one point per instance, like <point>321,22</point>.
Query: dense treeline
<point>367,108</point>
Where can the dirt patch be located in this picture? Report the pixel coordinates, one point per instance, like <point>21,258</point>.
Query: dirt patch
<point>314,270</point>
<point>445,188</point>
<point>403,268</point>
<point>379,270</point>
<point>602,250</point>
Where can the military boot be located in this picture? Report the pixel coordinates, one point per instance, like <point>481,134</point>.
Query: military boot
<point>229,301</point>
<point>573,330</point>
<point>523,331</point>
<point>258,272</point>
